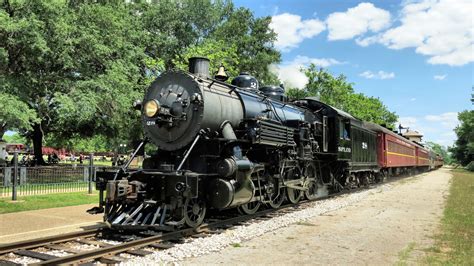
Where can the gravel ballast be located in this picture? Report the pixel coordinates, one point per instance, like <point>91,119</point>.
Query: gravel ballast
<point>238,234</point>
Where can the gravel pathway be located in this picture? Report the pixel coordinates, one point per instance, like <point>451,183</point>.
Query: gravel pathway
<point>236,235</point>
<point>390,225</point>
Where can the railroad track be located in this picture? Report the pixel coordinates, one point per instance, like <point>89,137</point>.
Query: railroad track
<point>107,253</point>
<point>140,246</point>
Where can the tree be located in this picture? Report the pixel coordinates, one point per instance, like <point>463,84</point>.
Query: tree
<point>253,39</point>
<point>77,67</point>
<point>237,40</point>
<point>338,92</point>
<point>442,151</point>
<point>218,52</point>
<point>14,114</point>
<point>173,26</point>
<point>463,150</point>
<point>15,138</point>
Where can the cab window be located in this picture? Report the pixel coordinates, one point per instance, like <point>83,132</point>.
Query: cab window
<point>344,130</point>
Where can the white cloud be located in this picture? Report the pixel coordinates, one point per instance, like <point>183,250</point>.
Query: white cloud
<point>377,75</point>
<point>412,99</point>
<point>439,77</point>
<point>448,120</point>
<point>290,74</point>
<point>291,30</point>
<point>356,21</point>
<point>441,29</point>
<point>435,127</point>
<point>407,121</point>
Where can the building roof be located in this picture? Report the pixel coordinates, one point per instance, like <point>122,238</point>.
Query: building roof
<point>410,133</point>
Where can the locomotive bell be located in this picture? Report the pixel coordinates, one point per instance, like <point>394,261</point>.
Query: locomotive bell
<point>221,74</point>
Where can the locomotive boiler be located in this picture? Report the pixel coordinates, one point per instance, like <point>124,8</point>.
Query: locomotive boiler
<point>219,146</point>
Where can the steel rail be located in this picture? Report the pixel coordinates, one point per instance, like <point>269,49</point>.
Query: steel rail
<point>39,242</point>
<point>106,251</point>
<point>143,242</point>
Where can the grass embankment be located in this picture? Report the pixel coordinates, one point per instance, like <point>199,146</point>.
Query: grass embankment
<point>455,243</point>
<point>27,203</point>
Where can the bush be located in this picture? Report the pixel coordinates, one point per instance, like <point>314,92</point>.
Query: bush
<point>470,166</point>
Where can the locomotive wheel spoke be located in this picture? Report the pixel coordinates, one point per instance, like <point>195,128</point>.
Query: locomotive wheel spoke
<point>249,208</point>
<point>194,212</point>
<point>277,198</point>
<point>312,191</point>
<point>313,182</point>
<point>293,195</point>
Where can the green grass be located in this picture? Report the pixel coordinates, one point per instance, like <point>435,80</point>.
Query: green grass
<point>404,254</point>
<point>27,203</point>
<point>236,245</point>
<point>454,245</point>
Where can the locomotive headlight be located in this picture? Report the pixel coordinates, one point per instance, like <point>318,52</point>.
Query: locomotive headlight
<point>152,107</point>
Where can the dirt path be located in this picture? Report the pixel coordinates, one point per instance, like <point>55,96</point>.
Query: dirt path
<point>387,227</point>
<point>19,226</point>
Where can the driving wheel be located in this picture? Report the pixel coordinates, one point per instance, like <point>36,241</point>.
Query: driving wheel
<point>194,212</point>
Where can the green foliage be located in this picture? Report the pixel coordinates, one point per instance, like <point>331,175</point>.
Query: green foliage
<point>15,138</point>
<point>218,52</point>
<point>463,150</point>
<point>77,67</point>
<point>14,114</point>
<point>239,41</point>
<point>338,92</point>
<point>470,166</point>
<point>253,39</point>
<point>77,143</point>
<point>438,149</point>
<point>173,26</point>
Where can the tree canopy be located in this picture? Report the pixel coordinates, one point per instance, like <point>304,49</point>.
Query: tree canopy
<point>438,149</point>
<point>463,150</point>
<point>15,114</point>
<point>77,67</point>
<point>72,69</point>
<point>338,92</point>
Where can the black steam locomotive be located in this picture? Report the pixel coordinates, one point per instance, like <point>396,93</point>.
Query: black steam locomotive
<point>236,145</point>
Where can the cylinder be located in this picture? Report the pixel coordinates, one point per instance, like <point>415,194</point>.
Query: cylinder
<point>199,66</point>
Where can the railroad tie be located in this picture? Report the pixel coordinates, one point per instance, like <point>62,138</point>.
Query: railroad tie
<point>162,245</point>
<point>8,263</point>
<point>34,254</point>
<point>200,235</point>
<point>111,260</point>
<point>139,252</point>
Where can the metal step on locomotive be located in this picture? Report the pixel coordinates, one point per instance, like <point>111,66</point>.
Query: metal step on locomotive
<point>238,145</point>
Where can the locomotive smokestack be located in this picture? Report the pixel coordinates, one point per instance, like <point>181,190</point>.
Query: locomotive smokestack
<point>199,66</point>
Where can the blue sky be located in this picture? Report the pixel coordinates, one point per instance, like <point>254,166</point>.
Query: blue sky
<point>416,56</point>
